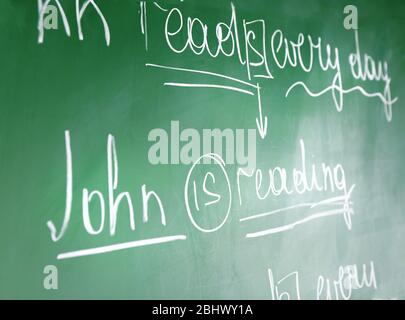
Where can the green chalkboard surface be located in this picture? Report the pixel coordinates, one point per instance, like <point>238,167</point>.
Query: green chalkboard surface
<point>202,149</point>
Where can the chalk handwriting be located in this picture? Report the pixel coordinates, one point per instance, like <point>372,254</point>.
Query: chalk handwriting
<point>300,181</point>
<point>191,211</point>
<point>318,179</point>
<point>80,10</point>
<point>144,22</point>
<point>42,8</point>
<point>260,57</point>
<point>79,14</point>
<point>349,279</point>
<point>115,201</point>
<point>258,52</point>
<point>275,287</point>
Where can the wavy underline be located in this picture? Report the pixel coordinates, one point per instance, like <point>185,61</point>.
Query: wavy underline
<point>344,91</point>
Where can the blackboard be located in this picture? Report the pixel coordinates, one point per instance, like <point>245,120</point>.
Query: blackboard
<point>202,149</point>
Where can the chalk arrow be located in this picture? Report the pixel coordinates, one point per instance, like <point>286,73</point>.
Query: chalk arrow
<point>261,122</point>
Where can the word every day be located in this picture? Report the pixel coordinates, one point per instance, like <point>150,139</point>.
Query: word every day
<point>260,53</point>
<point>324,178</point>
<point>249,43</point>
<point>350,278</point>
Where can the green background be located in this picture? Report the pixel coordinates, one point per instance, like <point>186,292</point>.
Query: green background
<point>94,90</point>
